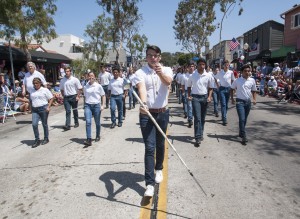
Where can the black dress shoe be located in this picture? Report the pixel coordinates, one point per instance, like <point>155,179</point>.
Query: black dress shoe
<point>190,124</point>
<point>97,138</point>
<point>197,143</point>
<point>185,115</point>
<point>76,125</point>
<point>36,143</point>
<point>113,125</point>
<point>66,128</point>
<point>225,123</point>
<point>201,139</point>
<point>88,142</point>
<point>45,141</point>
<point>129,108</point>
<point>217,114</point>
<point>119,124</point>
<point>244,140</point>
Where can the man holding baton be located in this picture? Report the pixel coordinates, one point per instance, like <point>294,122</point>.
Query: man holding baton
<point>152,82</point>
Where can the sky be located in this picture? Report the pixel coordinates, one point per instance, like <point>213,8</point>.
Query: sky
<point>73,16</point>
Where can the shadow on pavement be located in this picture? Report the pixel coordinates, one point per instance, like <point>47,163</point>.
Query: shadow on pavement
<point>23,122</point>
<point>125,178</point>
<point>77,140</point>
<point>27,142</point>
<point>183,138</point>
<point>181,123</point>
<point>233,138</point>
<point>138,140</point>
<point>92,194</point>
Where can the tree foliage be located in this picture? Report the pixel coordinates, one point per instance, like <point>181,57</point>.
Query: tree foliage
<point>124,15</point>
<point>32,19</point>
<point>100,34</point>
<point>185,58</point>
<point>193,23</point>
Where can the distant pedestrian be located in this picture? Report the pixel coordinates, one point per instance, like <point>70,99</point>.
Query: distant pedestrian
<point>94,96</point>
<point>245,87</point>
<point>225,77</point>
<point>104,77</point>
<point>115,94</point>
<point>41,99</point>
<point>200,86</point>
<point>71,89</point>
<point>153,81</point>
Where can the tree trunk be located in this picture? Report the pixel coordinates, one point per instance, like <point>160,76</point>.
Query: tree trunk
<point>24,46</point>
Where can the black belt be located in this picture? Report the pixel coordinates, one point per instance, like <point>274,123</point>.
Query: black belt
<point>71,95</point>
<point>159,110</point>
<point>197,95</point>
<point>113,95</point>
<point>241,100</point>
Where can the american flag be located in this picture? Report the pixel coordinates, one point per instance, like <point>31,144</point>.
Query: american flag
<point>233,44</point>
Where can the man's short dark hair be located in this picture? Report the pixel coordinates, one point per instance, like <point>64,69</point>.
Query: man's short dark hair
<point>116,68</point>
<point>201,60</point>
<point>153,47</point>
<point>245,66</point>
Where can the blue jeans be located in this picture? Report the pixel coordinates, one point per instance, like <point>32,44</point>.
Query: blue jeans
<point>105,88</point>
<point>154,142</point>
<point>216,99</point>
<point>199,104</point>
<point>188,110</point>
<point>116,101</point>
<point>132,99</point>
<point>91,110</point>
<point>179,96</point>
<point>40,113</point>
<point>224,99</point>
<point>71,102</point>
<point>243,109</point>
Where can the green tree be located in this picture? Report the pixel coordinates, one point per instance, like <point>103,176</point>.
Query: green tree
<point>136,45</point>
<point>32,19</point>
<point>99,33</point>
<point>185,58</point>
<point>125,16</point>
<point>193,23</point>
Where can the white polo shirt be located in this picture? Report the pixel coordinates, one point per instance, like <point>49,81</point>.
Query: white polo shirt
<point>93,93</point>
<point>40,97</point>
<point>70,86</point>
<point>244,87</point>
<point>28,79</point>
<point>157,92</point>
<point>200,82</point>
<point>104,78</point>
<point>225,78</point>
<point>178,77</point>
<point>184,80</point>
<point>116,86</point>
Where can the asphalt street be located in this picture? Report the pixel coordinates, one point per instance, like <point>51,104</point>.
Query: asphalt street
<point>65,180</point>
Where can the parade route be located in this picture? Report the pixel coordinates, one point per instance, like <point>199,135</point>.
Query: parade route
<point>62,179</point>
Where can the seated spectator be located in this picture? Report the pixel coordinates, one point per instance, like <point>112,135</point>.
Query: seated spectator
<point>58,99</point>
<point>56,87</point>
<point>296,92</point>
<point>18,88</point>
<point>287,91</point>
<point>272,86</point>
<point>22,103</point>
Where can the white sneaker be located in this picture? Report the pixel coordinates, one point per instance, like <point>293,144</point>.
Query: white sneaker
<point>159,176</point>
<point>149,191</point>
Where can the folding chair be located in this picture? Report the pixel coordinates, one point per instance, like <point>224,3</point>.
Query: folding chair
<point>7,106</point>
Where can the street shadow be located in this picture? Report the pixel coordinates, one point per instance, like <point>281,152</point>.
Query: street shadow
<point>23,122</point>
<point>106,118</point>
<point>275,138</point>
<point>105,125</point>
<point>181,123</point>
<point>138,140</point>
<point>216,121</point>
<point>274,107</point>
<point>183,138</point>
<point>125,179</point>
<point>77,140</point>
<point>81,118</point>
<point>57,126</point>
<point>233,138</point>
<point>27,142</point>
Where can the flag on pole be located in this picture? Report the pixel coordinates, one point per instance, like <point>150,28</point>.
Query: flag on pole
<point>233,44</point>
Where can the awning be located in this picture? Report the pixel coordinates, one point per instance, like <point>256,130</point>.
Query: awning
<point>282,52</point>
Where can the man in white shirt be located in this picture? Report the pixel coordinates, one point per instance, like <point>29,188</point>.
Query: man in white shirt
<point>245,87</point>
<point>116,94</point>
<point>71,89</point>
<point>178,80</point>
<point>188,111</point>
<point>200,86</point>
<point>153,81</point>
<point>104,77</point>
<point>225,77</point>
